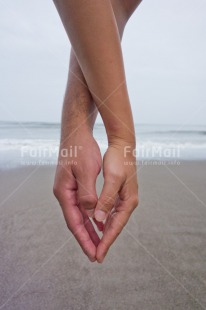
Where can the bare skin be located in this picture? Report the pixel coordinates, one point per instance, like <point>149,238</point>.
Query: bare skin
<point>75,189</point>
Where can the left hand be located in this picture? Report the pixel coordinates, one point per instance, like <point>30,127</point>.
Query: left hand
<point>74,188</point>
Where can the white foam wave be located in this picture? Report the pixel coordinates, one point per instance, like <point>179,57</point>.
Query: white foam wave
<point>16,150</point>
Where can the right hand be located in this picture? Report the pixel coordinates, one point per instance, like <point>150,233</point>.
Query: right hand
<point>119,196</point>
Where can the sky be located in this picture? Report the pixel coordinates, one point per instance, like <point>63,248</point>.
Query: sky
<point>164,48</point>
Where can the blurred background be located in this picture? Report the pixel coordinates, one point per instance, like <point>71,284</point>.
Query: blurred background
<point>164,51</point>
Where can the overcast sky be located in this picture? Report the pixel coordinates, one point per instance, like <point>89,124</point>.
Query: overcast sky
<point>164,49</point>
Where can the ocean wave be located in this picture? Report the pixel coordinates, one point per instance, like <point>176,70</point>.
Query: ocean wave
<point>140,128</point>
<point>39,125</point>
<point>18,144</point>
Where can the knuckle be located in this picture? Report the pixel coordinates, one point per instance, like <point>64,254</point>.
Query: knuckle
<point>134,201</point>
<point>70,227</point>
<point>113,176</point>
<point>56,190</point>
<point>107,203</point>
<point>88,202</point>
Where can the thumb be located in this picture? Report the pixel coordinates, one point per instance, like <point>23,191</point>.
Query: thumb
<point>87,195</point>
<point>107,198</point>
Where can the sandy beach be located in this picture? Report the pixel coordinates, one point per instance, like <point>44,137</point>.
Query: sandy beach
<point>158,262</point>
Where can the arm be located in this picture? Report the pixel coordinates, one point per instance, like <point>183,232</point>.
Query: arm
<point>96,44</point>
<point>78,105</point>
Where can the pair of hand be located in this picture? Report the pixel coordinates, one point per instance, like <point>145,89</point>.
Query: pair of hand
<point>79,164</point>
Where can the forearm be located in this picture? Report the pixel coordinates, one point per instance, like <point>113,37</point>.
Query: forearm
<point>79,111</point>
<point>101,61</point>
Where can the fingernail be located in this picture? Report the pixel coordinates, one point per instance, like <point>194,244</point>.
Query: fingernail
<point>100,215</point>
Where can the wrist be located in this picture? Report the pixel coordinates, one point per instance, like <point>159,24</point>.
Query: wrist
<point>122,142</point>
<point>124,150</point>
<point>122,136</point>
<point>74,127</point>
<point>72,134</point>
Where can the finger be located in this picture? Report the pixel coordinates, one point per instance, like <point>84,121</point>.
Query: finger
<point>76,223</point>
<point>106,224</point>
<point>90,228</point>
<point>87,195</point>
<point>100,225</point>
<point>107,199</point>
<point>113,228</point>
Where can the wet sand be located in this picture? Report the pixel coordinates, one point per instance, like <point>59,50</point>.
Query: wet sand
<point>158,262</point>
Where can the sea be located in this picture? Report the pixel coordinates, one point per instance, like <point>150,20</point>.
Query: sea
<point>32,143</point>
